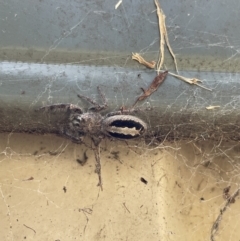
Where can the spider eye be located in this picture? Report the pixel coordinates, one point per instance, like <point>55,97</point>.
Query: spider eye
<point>76,123</point>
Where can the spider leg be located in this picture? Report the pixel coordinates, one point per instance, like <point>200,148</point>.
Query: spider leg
<point>73,135</point>
<point>98,169</point>
<point>103,97</point>
<point>74,138</point>
<point>96,106</point>
<point>123,112</point>
<point>128,111</point>
<point>61,108</point>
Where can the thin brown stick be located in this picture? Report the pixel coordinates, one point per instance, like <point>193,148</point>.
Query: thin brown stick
<point>216,224</point>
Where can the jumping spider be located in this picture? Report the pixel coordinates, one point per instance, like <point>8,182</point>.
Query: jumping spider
<point>117,124</point>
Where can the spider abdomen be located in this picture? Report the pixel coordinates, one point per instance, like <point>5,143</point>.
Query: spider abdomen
<point>123,126</point>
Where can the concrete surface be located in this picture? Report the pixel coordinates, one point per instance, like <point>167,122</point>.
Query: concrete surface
<point>168,192</point>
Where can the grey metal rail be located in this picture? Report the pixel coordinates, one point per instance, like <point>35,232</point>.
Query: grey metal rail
<point>176,110</point>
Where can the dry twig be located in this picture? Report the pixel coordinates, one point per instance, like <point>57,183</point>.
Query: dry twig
<point>118,4</point>
<point>230,200</point>
<point>163,38</point>
<point>141,60</point>
<point>191,81</point>
<point>212,107</point>
<point>157,81</point>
